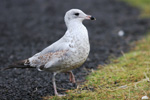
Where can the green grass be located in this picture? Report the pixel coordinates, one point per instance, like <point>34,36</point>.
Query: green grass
<point>144,5</point>
<point>125,78</point>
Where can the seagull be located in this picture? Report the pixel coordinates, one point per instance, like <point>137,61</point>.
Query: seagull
<point>66,54</point>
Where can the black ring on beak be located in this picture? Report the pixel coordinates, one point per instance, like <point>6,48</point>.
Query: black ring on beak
<point>92,18</point>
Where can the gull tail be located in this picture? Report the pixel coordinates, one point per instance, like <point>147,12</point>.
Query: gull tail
<point>20,64</point>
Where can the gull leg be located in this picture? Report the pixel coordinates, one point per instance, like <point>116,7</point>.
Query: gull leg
<point>54,85</point>
<point>72,78</point>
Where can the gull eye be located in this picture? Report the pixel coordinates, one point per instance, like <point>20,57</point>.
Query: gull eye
<point>77,14</point>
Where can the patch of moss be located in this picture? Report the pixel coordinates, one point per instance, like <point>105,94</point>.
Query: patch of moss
<point>125,78</point>
<point>144,5</point>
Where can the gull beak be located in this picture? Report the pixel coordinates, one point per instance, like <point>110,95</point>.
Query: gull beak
<point>90,17</point>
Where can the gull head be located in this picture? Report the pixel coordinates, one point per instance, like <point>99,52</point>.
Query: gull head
<point>77,15</point>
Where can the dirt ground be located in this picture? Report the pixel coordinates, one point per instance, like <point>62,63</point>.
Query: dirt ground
<point>28,26</point>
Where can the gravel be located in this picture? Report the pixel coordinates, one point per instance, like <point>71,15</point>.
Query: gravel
<point>28,26</point>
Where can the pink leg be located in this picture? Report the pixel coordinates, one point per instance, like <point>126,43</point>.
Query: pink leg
<point>55,87</point>
<point>72,78</point>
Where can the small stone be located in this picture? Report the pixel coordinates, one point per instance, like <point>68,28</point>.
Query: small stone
<point>121,33</point>
<point>144,97</point>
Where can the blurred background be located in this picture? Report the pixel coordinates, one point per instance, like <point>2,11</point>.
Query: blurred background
<point>28,26</point>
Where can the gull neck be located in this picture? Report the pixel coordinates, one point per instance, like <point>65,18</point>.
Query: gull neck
<point>74,24</point>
